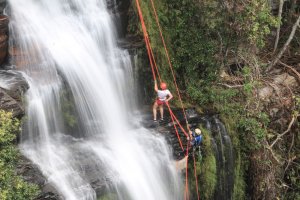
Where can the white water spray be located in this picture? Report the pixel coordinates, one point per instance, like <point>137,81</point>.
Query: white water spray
<point>71,43</point>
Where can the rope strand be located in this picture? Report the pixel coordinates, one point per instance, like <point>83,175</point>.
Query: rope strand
<point>169,60</point>
<point>196,178</point>
<point>153,68</point>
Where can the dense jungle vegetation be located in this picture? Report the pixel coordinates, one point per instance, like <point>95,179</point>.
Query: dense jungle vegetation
<point>240,60</point>
<point>12,186</point>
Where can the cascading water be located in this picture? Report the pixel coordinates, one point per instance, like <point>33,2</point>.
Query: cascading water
<point>223,149</point>
<point>71,43</point>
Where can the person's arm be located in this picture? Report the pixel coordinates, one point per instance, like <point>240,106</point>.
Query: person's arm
<point>190,134</point>
<point>170,96</point>
<point>155,86</point>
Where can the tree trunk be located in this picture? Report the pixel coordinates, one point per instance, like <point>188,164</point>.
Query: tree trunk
<point>292,9</point>
<point>287,43</point>
<point>278,28</point>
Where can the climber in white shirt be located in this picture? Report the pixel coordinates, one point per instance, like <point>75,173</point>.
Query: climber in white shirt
<point>163,96</point>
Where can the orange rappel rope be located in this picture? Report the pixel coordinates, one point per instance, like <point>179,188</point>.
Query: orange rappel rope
<point>186,192</point>
<point>153,68</point>
<point>169,60</point>
<point>146,38</point>
<point>172,117</point>
<point>170,65</point>
<point>195,173</point>
<point>152,60</point>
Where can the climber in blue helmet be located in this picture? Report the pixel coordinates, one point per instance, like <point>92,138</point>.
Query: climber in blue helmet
<point>196,137</point>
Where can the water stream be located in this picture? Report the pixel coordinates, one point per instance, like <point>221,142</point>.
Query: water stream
<point>70,45</point>
<point>223,150</point>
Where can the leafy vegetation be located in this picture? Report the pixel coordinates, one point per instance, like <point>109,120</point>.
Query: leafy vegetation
<point>207,168</point>
<point>12,186</point>
<point>220,50</point>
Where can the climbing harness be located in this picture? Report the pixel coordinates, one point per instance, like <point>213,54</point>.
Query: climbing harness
<point>155,68</point>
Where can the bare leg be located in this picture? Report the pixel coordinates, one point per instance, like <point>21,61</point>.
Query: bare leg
<point>161,109</point>
<point>154,110</point>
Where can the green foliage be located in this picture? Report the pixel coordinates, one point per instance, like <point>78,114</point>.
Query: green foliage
<point>239,182</point>
<point>207,168</point>
<point>108,196</point>
<point>191,49</point>
<point>248,21</point>
<point>9,127</point>
<point>255,20</point>
<point>12,187</point>
<point>200,36</point>
<point>68,109</point>
<point>254,132</point>
<point>297,104</point>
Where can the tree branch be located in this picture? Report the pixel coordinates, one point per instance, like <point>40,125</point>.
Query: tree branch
<point>289,155</point>
<point>230,86</point>
<point>285,132</point>
<point>278,28</point>
<point>272,152</point>
<point>287,43</point>
<point>291,68</point>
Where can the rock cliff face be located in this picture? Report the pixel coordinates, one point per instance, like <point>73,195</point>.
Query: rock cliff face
<point>12,84</point>
<point>2,5</point>
<point>119,9</point>
<point>3,37</point>
<point>12,87</point>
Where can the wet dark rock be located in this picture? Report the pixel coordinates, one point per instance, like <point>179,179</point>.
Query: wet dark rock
<point>221,144</point>
<point>3,37</point>
<point>48,196</point>
<point>14,83</point>
<point>93,171</point>
<point>9,104</point>
<point>119,9</point>
<point>2,5</point>
<point>12,87</point>
<point>131,42</point>
<point>32,174</point>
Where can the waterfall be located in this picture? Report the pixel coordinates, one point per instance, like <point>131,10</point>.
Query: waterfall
<point>70,45</point>
<point>223,150</point>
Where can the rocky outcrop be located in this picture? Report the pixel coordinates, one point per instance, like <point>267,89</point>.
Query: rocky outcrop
<point>32,174</point>
<point>279,84</point>
<point>3,37</point>
<point>12,87</point>
<point>119,9</point>
<point>2,5</point>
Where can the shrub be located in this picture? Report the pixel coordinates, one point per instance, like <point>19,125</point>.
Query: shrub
<point>12,187</point>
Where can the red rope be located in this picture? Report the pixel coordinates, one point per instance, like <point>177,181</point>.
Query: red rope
<point>186,192</point>
<point>152,54</point>
<point>172,114</point>
<point>152,58</point>
<point>168,57</point>
<point>145,38</point>
<point>153,64</point>
<point>195,173</point>
<point>148,44</point>
<point>175,128</point>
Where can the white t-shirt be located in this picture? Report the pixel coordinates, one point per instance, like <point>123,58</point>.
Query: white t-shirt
<point>162,94</point>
